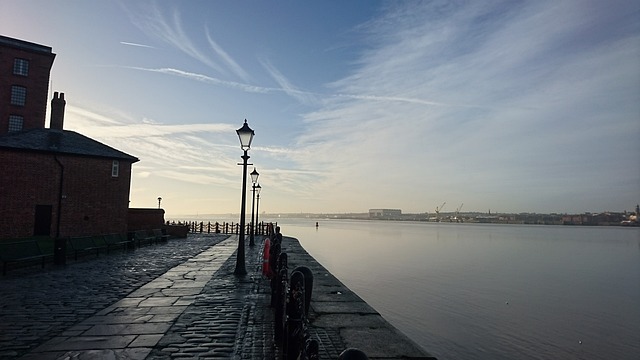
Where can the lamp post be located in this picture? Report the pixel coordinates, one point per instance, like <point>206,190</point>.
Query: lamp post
<point>254,179</point>
<point>159,200</point>
<point>246,135</point>
<point>258,188</point>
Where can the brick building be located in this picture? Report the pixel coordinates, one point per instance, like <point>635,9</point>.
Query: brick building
<point>60,183</point>
<point>24,84</point>
<point>53,182</point>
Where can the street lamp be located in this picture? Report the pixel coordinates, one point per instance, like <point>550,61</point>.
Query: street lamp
<point>246,136</point>
<point>258,188</point>
<point>254,179</point>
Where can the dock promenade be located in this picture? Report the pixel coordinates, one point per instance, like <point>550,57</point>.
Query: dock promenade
<point>178,300</point>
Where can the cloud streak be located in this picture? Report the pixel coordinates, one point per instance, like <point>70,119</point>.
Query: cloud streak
<point>519,100</point>
<point>303,97</point>
<point>169,29</point>
<point>195,157</point>
<point>136,45</point>
<point>231,64</point>
<point>208,79</point>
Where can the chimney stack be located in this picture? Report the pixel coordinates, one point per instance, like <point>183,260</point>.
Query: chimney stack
<point>57,111</point>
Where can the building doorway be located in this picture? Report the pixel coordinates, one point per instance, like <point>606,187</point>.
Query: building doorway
<point>42,225</point>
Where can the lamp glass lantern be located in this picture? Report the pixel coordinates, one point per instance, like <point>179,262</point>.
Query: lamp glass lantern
<point>254,176</point>
<point>257,190</point>
<point>245,133</point>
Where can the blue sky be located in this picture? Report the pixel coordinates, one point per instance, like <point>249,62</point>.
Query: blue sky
<point>513,106</point>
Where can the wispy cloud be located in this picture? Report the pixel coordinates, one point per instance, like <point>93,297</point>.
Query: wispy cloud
<point>302,96</point>
<point>231,64</point>
<point>171,145</point>
<point>136,45</point>
<point>208,79</point>
<point>198,155</point>
<point>514,93</point>
<point>169,28</point>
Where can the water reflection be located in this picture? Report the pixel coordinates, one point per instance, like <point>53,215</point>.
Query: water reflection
<point>491,291</point>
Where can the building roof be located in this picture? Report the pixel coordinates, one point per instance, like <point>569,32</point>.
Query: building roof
<point>24,45</point>
<point>60,142</point>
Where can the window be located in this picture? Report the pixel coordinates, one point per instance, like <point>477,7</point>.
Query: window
<point>18,95</point>
<point>21,67</point>
<point>15,123</point>
<point>115,168</point>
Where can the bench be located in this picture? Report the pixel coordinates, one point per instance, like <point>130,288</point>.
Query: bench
<point>115,240</point>
<point>141,236</point>
<point>160,236</point>
<point>20,251</point>
<point>84,244</point>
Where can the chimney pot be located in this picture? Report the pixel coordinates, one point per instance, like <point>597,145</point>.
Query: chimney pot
<point>57,111</point>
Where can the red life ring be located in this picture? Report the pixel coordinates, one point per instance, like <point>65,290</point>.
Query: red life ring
<point>266,271</point>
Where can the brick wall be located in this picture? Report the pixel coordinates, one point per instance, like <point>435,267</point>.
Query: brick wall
<point>93,201</point>
<point>37,84</point>
<point>145,219</point>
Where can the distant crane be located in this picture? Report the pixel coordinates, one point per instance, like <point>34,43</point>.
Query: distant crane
<point>457,219</point>
<point>438,209</point>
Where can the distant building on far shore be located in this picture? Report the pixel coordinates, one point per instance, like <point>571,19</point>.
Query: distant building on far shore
<point>385,213</point>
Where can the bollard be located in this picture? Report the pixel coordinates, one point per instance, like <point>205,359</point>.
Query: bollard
<point>59,251</point>
<point>295,326</point>
<point>312,348</point>
<point>308,286</point>
<point>279,298</point>
<point>353,354</point>
<point>275,265</point>
<point>209,227</point>
<point>217,228</point>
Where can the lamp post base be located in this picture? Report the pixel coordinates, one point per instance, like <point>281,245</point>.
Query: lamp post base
<point>240,258</point>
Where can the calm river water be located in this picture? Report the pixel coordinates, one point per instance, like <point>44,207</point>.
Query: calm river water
<point>482,291</point>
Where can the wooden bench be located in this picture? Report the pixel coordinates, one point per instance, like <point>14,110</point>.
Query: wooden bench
<point>160,236</point>
<point>141,236</point>
<point>84,244</point>
<point>115,240</point>
<point>20,251</point>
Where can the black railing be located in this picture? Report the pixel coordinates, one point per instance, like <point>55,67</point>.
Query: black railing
<point>290,298</point>
<point>220,228</point>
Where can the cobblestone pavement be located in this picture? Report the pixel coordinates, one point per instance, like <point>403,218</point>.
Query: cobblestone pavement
<point>37,305</point>
<point>229,319</point>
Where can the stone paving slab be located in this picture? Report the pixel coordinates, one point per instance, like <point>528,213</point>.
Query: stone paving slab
<point>115,328</point>
<point>343,307</point>
<point>230,319</point>
<point>37,305</point>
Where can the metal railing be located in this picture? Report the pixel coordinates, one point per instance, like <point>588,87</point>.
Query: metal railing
<point>291,298</point>
<point>220,228</point>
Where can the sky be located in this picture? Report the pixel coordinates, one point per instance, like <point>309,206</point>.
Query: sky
<point>508,106</point>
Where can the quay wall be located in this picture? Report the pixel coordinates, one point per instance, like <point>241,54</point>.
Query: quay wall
<point>340,316</point>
